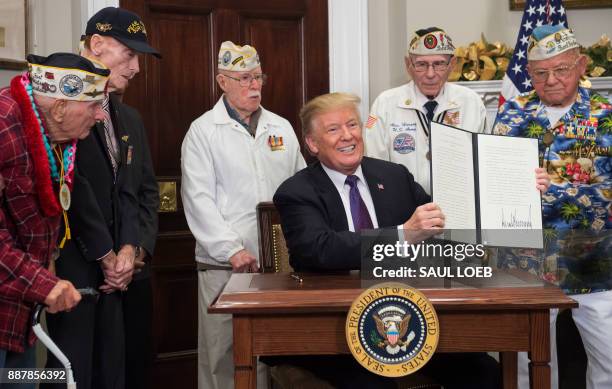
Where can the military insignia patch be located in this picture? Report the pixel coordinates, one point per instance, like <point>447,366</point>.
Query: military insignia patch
<point>371,121</point>
<point>130,153</point>
<point>71,85</point>
<point>430,41</point>
<point>104,27</point>
<point>413,42</point>
<point>452,118</point>
<point>276,143</point>
<point>392,330</point>
<point>137,26</point>
<point>227,57</point>
<point>238,59</point>
<point>404,143</point>
<point>94,93</point>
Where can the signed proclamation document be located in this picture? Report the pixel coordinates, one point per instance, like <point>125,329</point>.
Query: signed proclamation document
<point>486,187</point>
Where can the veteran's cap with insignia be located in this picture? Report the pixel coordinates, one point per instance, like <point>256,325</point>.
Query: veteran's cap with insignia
<point>123,25</point>
<point>237,58</point>
<point>67,76</point>
<point>548,41</point>
<point>431,41</point>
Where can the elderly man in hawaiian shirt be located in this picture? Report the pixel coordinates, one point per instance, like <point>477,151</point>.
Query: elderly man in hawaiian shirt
<point>573,125</point>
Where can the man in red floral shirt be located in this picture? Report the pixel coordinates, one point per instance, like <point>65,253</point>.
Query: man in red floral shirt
<point>42,114</point>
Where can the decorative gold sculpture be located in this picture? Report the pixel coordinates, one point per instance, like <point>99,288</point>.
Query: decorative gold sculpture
<point>599,58</point>
<point>481,61</point>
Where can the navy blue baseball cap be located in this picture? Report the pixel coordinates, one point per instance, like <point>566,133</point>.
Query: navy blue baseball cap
<point>123,25</point>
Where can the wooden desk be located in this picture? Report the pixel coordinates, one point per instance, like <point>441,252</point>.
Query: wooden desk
<point>275,315</point>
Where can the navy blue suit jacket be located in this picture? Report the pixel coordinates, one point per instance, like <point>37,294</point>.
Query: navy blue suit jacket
<point>314,221</point>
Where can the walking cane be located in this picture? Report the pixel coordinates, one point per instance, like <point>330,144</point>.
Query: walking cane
<point>86,293</point>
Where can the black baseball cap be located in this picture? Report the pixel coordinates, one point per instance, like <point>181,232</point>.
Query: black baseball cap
<point>123,25</point>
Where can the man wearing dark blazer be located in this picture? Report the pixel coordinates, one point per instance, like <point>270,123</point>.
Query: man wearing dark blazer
<point>138,299</point>
<point>322,240</point>
<point>315,204</point>
<point>324,206</point>
<point>105,215</point>
<point>103,221</point>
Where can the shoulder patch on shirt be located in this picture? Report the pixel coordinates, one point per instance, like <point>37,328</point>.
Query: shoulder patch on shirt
<point>372,119</point>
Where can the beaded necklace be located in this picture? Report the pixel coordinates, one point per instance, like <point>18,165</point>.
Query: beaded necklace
<point>66,161</point>
<point>69,151</point>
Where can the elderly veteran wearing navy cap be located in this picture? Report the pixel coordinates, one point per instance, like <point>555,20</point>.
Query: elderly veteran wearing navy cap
<point>113,223</point>
<point>42,114</point>
<point>233,157</point>
<point>572,124</point>
<point>116,37</point>
<point>397,128</point>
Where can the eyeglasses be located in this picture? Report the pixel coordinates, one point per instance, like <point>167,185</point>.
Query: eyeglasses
<point>561,72</point>
<point>247,78</point>
<point>438,66</point>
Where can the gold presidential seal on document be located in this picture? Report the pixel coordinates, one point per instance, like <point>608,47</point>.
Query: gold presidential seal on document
<point>392,329</point>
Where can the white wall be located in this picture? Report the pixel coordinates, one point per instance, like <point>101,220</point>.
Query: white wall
<point>56,25</point>
<point>348,49</point>
<point>464,21</point>
<point>53,26</point>
<point>386,19</point>
<point>494,18</point>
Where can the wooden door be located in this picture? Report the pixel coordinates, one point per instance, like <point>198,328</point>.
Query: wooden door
<point>292,40</point>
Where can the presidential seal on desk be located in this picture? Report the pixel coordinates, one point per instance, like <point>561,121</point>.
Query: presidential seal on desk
<point>392,329</point>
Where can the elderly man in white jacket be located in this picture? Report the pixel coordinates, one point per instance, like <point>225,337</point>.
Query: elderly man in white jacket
<point>233,157</point>
<point>397,129</point>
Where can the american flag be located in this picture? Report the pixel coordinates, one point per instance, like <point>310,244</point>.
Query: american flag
<point>371,121</point>
<point>537,13</point>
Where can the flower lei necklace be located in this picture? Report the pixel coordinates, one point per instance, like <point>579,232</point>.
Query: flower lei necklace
<point>69,152</point>
<point>45,168</point>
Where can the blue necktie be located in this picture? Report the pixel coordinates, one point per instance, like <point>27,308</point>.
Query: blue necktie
<point>430,107</point>
<point>359,211</point>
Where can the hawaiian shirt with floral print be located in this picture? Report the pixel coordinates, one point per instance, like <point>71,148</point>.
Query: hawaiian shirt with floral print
<point>576,208</point>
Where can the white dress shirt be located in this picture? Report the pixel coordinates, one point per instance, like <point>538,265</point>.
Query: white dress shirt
<point>344,189</point>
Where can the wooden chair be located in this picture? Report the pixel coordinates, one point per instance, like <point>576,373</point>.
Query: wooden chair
<point>274,258</point>
<point>273,251</point>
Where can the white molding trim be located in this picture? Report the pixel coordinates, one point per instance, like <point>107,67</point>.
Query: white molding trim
<point>348,49</point>
<point>94,6</point>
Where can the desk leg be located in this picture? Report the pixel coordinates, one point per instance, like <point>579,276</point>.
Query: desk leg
<point>539,353</point>
<point>509,360</point>
<point>245,364</point>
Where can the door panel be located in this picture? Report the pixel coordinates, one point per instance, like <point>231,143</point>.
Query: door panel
<point>291,38</point>
<point>186,67</point>
<point>281,59</point>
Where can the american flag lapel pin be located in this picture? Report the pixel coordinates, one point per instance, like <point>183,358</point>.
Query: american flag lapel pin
<point>380,186</point>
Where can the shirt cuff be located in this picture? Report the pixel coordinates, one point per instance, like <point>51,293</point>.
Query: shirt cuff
<point>99,259</point>
<point>400,234</point>
<point>41,286</point>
